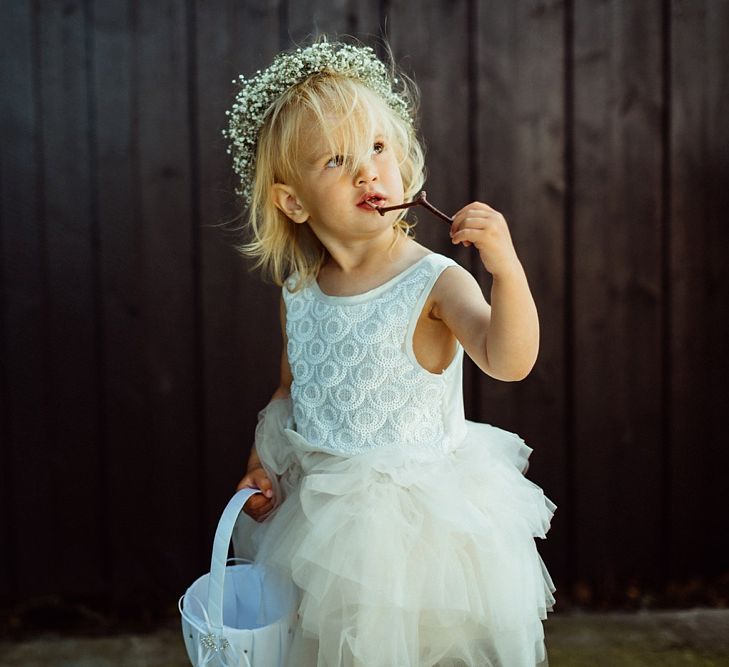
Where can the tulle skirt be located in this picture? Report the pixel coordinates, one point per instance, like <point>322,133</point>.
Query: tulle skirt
<point>406,559</point>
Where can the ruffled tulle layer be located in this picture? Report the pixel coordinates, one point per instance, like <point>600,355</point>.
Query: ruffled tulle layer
<point>404,562</point>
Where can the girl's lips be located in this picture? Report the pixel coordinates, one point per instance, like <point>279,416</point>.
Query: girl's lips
<point>372,199</point>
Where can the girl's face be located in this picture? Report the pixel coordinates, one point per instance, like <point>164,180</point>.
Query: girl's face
<point>334,197</point>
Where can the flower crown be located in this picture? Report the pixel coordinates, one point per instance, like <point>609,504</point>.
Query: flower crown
<point>258,94</point>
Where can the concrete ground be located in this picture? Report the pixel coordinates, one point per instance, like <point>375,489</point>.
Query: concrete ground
<point>668,639</point>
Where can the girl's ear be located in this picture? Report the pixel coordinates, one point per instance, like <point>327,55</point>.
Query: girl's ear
<point>285,199</point>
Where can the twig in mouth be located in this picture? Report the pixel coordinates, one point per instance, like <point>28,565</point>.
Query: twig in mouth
<point>420,199</point>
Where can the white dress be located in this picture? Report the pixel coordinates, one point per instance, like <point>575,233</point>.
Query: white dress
<point>408,529</point>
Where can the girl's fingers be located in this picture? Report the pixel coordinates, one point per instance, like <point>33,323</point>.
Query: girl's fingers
<point>473,207</point>
<point>244,483</point>
<point>467,236</point>
<point>265,485</point>
<point>476,208</point>
<point>257,500</point>
<point>261,481</point>
<point>260,503</point>
<point>475,222</point>
<point>261,507</point>
<point>257,506</point>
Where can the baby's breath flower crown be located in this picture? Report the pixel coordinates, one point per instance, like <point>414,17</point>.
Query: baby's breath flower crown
<point>258,93</point>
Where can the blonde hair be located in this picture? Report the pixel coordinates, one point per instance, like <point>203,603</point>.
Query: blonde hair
<point>347,115</point>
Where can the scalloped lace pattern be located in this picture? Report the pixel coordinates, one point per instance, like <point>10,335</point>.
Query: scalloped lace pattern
<point>354,386</point>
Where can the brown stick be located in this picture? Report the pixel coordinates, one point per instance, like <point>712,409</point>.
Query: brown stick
<point>420,199</point>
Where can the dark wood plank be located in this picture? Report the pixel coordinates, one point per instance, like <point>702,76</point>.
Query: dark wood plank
<point>520,170</point>
<point>699,283</point>
<point>73,516</point>
<point>343,19</point>
<point>26,476</point>
<point>131,487</point>
<point>309,19</point>
<point>617,294</point>
<point>241,339</point>
<point>170,310</point>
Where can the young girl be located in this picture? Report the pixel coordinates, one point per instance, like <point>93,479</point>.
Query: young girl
<point>408,529</point>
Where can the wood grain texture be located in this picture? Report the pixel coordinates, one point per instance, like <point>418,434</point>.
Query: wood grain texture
<point>26,475</point>
<point>306,20</point>
<point>699,286</point>
<point>617,292</point>
<point>128,412</point>
<point>170,303</point>
<point>71,509</point>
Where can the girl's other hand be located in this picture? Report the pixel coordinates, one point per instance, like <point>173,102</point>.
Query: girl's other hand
<point>260,504</point>
<point>484,227</point>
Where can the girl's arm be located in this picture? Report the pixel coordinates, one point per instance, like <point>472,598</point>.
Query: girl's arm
<point>258,506</point>
<point>284,387</point>
<point>501,338</point>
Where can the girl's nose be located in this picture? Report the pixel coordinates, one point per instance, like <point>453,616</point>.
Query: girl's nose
<point>367,172</point>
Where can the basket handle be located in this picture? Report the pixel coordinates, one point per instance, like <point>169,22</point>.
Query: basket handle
<point>219,559</point>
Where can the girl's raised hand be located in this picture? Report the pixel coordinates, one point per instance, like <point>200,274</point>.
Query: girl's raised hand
<point>484,227</point>
<point>260,504</point>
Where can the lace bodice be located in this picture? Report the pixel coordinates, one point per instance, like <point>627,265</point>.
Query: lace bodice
<point>356,382</point>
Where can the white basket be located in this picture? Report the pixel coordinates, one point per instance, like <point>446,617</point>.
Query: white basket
<point>250,610</point>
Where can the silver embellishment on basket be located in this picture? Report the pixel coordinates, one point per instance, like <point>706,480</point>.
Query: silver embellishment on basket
<point>210,642</point>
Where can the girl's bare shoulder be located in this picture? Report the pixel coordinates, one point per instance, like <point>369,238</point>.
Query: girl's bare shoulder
<point>455,289</point>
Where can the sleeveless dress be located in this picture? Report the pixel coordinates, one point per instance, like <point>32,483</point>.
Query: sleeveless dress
<point>408,529</point>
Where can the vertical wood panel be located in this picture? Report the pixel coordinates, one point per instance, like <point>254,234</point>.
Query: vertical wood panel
<point>241,330</point>
<point>308,19</point>
<point>340,19</point>
<point>128,416</point>
<point>73,520</point>
<point>26,475</point>
<point>162,144</point>
<point>617,284</point>
<point>520,173</point>
<point>699,239</point>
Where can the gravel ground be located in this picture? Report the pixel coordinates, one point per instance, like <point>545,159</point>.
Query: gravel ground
<point>695,637</point>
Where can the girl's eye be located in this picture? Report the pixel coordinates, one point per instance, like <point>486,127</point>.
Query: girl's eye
<point>336,161</point>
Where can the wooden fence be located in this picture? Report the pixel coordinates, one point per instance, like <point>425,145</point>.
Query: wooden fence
<point>137,348</point>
